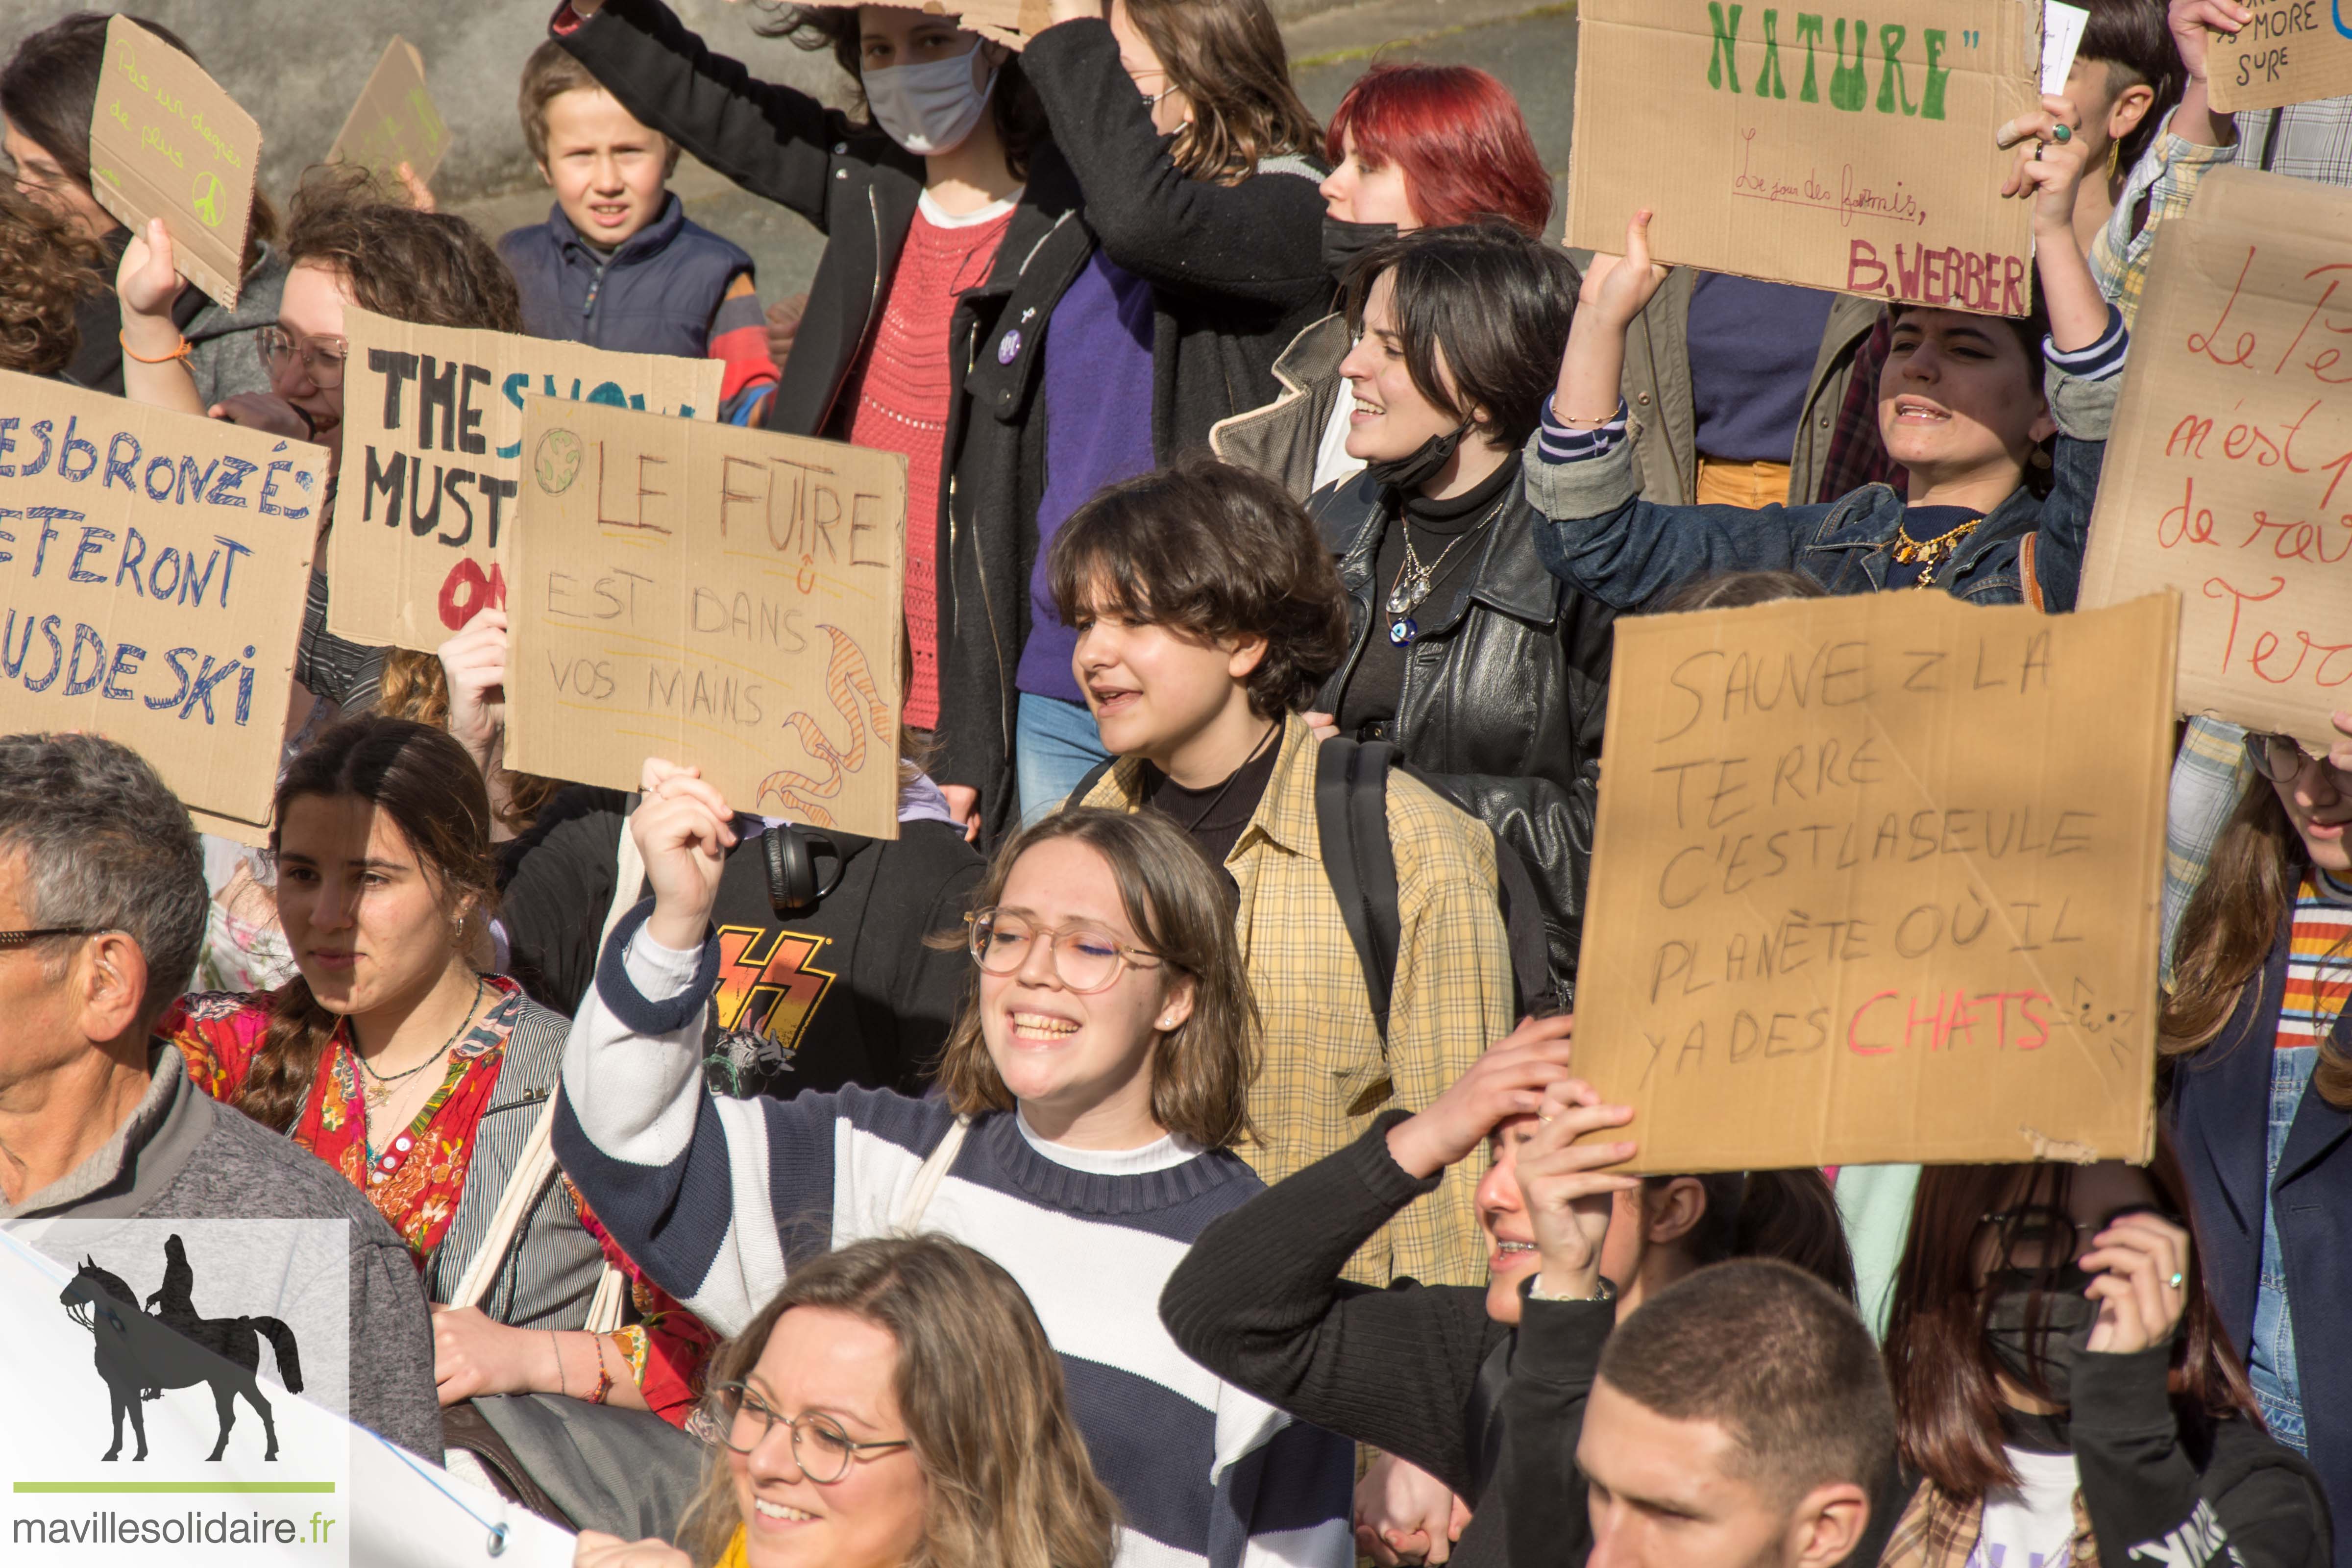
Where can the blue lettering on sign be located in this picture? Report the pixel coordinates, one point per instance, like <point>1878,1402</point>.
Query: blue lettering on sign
<point>512,389</point>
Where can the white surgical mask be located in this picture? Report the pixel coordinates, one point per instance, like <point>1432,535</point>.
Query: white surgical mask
<point>928,108</point>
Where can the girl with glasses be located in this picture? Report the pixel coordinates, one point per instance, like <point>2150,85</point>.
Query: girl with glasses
<point>2065,1393</point>
<point>2259,1089</point>
<point>896,1402</point>
<point>1087,1097</point>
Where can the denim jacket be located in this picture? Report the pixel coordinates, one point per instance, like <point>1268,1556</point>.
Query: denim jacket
<point>1595,532</point>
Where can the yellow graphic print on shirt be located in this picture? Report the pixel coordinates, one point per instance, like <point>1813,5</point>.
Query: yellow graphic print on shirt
<point>769,983</point>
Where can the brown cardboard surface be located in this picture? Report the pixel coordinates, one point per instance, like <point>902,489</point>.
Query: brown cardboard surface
<point>1883,876</point>
<point>165,140</point>
<point>2231,440</point>
<point>395,121</point>
<point>151,575</point>
<point>252,835</point>
<point>432,462</point>
<point>2290,53</point>
<point>1763,148</point>
<point>714,596</point>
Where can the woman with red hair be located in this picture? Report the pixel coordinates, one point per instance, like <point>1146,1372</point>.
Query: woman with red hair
<point>1411,147</point>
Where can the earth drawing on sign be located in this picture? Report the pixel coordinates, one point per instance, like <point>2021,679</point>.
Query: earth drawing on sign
<point>557,462</point>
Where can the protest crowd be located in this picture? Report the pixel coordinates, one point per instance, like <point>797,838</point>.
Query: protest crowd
<point>1161,1132</point>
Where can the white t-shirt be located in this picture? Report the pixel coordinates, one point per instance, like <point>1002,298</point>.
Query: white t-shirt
<point>1160,1154</point>
<point>2032,1525</point>
<point>1331,459</point>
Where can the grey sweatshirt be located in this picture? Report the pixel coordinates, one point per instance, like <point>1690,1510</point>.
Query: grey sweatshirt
<point>179,1155</point>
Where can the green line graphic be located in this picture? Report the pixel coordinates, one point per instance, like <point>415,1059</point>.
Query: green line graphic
<point>156,1486</point>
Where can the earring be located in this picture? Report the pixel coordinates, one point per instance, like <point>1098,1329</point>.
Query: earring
<point>1167,1023</point>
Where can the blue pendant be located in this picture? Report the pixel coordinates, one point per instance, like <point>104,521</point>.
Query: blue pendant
<point>1402,630</point>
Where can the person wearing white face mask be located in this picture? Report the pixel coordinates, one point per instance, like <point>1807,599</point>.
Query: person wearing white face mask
<point>1025,319</point>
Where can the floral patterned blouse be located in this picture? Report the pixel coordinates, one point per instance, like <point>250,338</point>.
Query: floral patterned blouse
<point>413,1174</point>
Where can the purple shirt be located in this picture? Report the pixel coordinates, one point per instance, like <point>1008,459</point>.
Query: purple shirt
<point>1098,431</point>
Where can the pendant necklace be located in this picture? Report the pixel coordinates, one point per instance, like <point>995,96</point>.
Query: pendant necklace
<point>379,1089</point>
<point>1414,581</point>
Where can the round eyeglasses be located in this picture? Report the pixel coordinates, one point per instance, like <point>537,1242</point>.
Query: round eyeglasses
<point>1088,959</point>
<point>323,358</point>
<point>820,1447</point>
<point>2282,759</point>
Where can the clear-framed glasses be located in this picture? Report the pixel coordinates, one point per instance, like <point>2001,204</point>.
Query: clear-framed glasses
<point>9,939</point>
<point>323,358</point>
<point>2282,759</point>
<point>820,1447</point>
<point>1087,958</point>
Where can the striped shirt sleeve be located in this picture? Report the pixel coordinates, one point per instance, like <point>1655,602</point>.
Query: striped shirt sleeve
<point>1559,443</point>
<point>739,340</point>
<point>2102,361</point>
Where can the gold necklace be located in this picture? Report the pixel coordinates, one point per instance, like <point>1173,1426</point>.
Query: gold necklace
<point>1929,552</point>
<point>379,1089</point>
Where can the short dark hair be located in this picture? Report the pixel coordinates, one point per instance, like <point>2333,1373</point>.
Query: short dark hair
<point>2133,40</point>
<point>1494,301</point>
<point>106,847</point>
<point>1214,551</point>
<point>551,71</point>
<point>1772,1355</point>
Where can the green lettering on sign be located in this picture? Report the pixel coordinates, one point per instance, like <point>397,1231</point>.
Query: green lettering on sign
<point>1721,62</point>
<point>1931,101</point>
<point>1890,85</point>
<point>1850,84</point>
<point>1808,33</point>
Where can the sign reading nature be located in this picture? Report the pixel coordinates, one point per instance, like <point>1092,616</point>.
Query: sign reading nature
<point>723,597</point>
<point>151,569</point>
<point>432,457</point>
<point>1885,876</point>
<point>1811,146</point>
<point>2225,473</point>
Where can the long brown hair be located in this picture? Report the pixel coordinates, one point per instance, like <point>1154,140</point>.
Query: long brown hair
<point>2227,930</point>
<point>416,687</point>
<point>50,268</point>
<point>1227,57</point>
<point>1947,1406</point>
<point>1200,1069</point>
<point>430,787</point>
<point>980,1391</point>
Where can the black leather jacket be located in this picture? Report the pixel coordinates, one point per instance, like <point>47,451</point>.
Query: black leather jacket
<point>1505,697</point>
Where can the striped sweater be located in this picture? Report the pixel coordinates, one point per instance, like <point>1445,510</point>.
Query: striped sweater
<point>716,1198</point>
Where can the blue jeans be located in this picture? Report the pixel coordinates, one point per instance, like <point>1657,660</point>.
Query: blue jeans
<point>2270,1359</point>
<point>1054,744</point>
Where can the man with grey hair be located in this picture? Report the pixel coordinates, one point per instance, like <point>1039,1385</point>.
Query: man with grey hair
<point>102,906</point>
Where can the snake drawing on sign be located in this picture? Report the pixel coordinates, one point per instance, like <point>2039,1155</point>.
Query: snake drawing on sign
<point>846,678</point>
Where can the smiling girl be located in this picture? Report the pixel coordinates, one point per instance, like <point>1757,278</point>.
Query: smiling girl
<point>1994,512</point>
<point>1087,1097</point>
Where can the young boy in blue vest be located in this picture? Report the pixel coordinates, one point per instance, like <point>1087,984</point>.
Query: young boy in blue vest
<point>617,265</point>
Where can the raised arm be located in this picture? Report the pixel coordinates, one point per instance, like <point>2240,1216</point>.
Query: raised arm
<point>1259,240</point>
<point>771,140</point>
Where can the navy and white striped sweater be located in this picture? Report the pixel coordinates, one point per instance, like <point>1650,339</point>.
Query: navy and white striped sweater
<point>715,1198</point>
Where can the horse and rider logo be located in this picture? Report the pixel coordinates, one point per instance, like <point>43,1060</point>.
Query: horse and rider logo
<point>140,1354</point>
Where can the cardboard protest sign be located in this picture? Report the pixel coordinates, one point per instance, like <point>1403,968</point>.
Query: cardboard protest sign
<point>1808,147</point>
<point>1883,875</point>
<point>151,575</point>
<point>2293,51</point>
<point>1009,22</point>
<point>166,142</point>
<point>713,595</point>
<point>395,121</point>
<point>432,457</point>
<point>2224,473</point>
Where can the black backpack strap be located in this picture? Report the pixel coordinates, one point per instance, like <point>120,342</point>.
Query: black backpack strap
<point>1479,1424</point>
<point>1086,784</point>
<point>1351,822</point>
<point>1523,921</point>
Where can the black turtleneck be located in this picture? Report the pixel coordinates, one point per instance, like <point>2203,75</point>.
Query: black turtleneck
<point>1370,695</point>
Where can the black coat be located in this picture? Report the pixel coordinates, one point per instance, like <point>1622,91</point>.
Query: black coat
<point>2218,1103</point>
<point>1506,692</point>
<point>1235,270</point>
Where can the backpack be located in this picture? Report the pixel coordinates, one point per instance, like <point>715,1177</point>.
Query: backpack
<point>1351,823</point>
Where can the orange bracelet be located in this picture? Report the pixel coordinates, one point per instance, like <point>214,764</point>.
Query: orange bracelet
<point>183,351</point>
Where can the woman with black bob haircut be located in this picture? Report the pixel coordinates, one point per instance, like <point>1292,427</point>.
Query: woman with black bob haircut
<point>2065,1392</point>
<point>1489,677</point>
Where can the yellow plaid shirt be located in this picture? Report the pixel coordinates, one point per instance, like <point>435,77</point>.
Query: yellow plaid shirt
<point>1326,1074</point>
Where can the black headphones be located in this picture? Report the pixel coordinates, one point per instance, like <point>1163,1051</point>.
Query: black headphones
<point>791,854</point>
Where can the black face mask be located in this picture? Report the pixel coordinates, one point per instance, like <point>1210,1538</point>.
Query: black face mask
<point>1417,467</point>
<point>1343,242</point>
<point>2038,1352</point>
